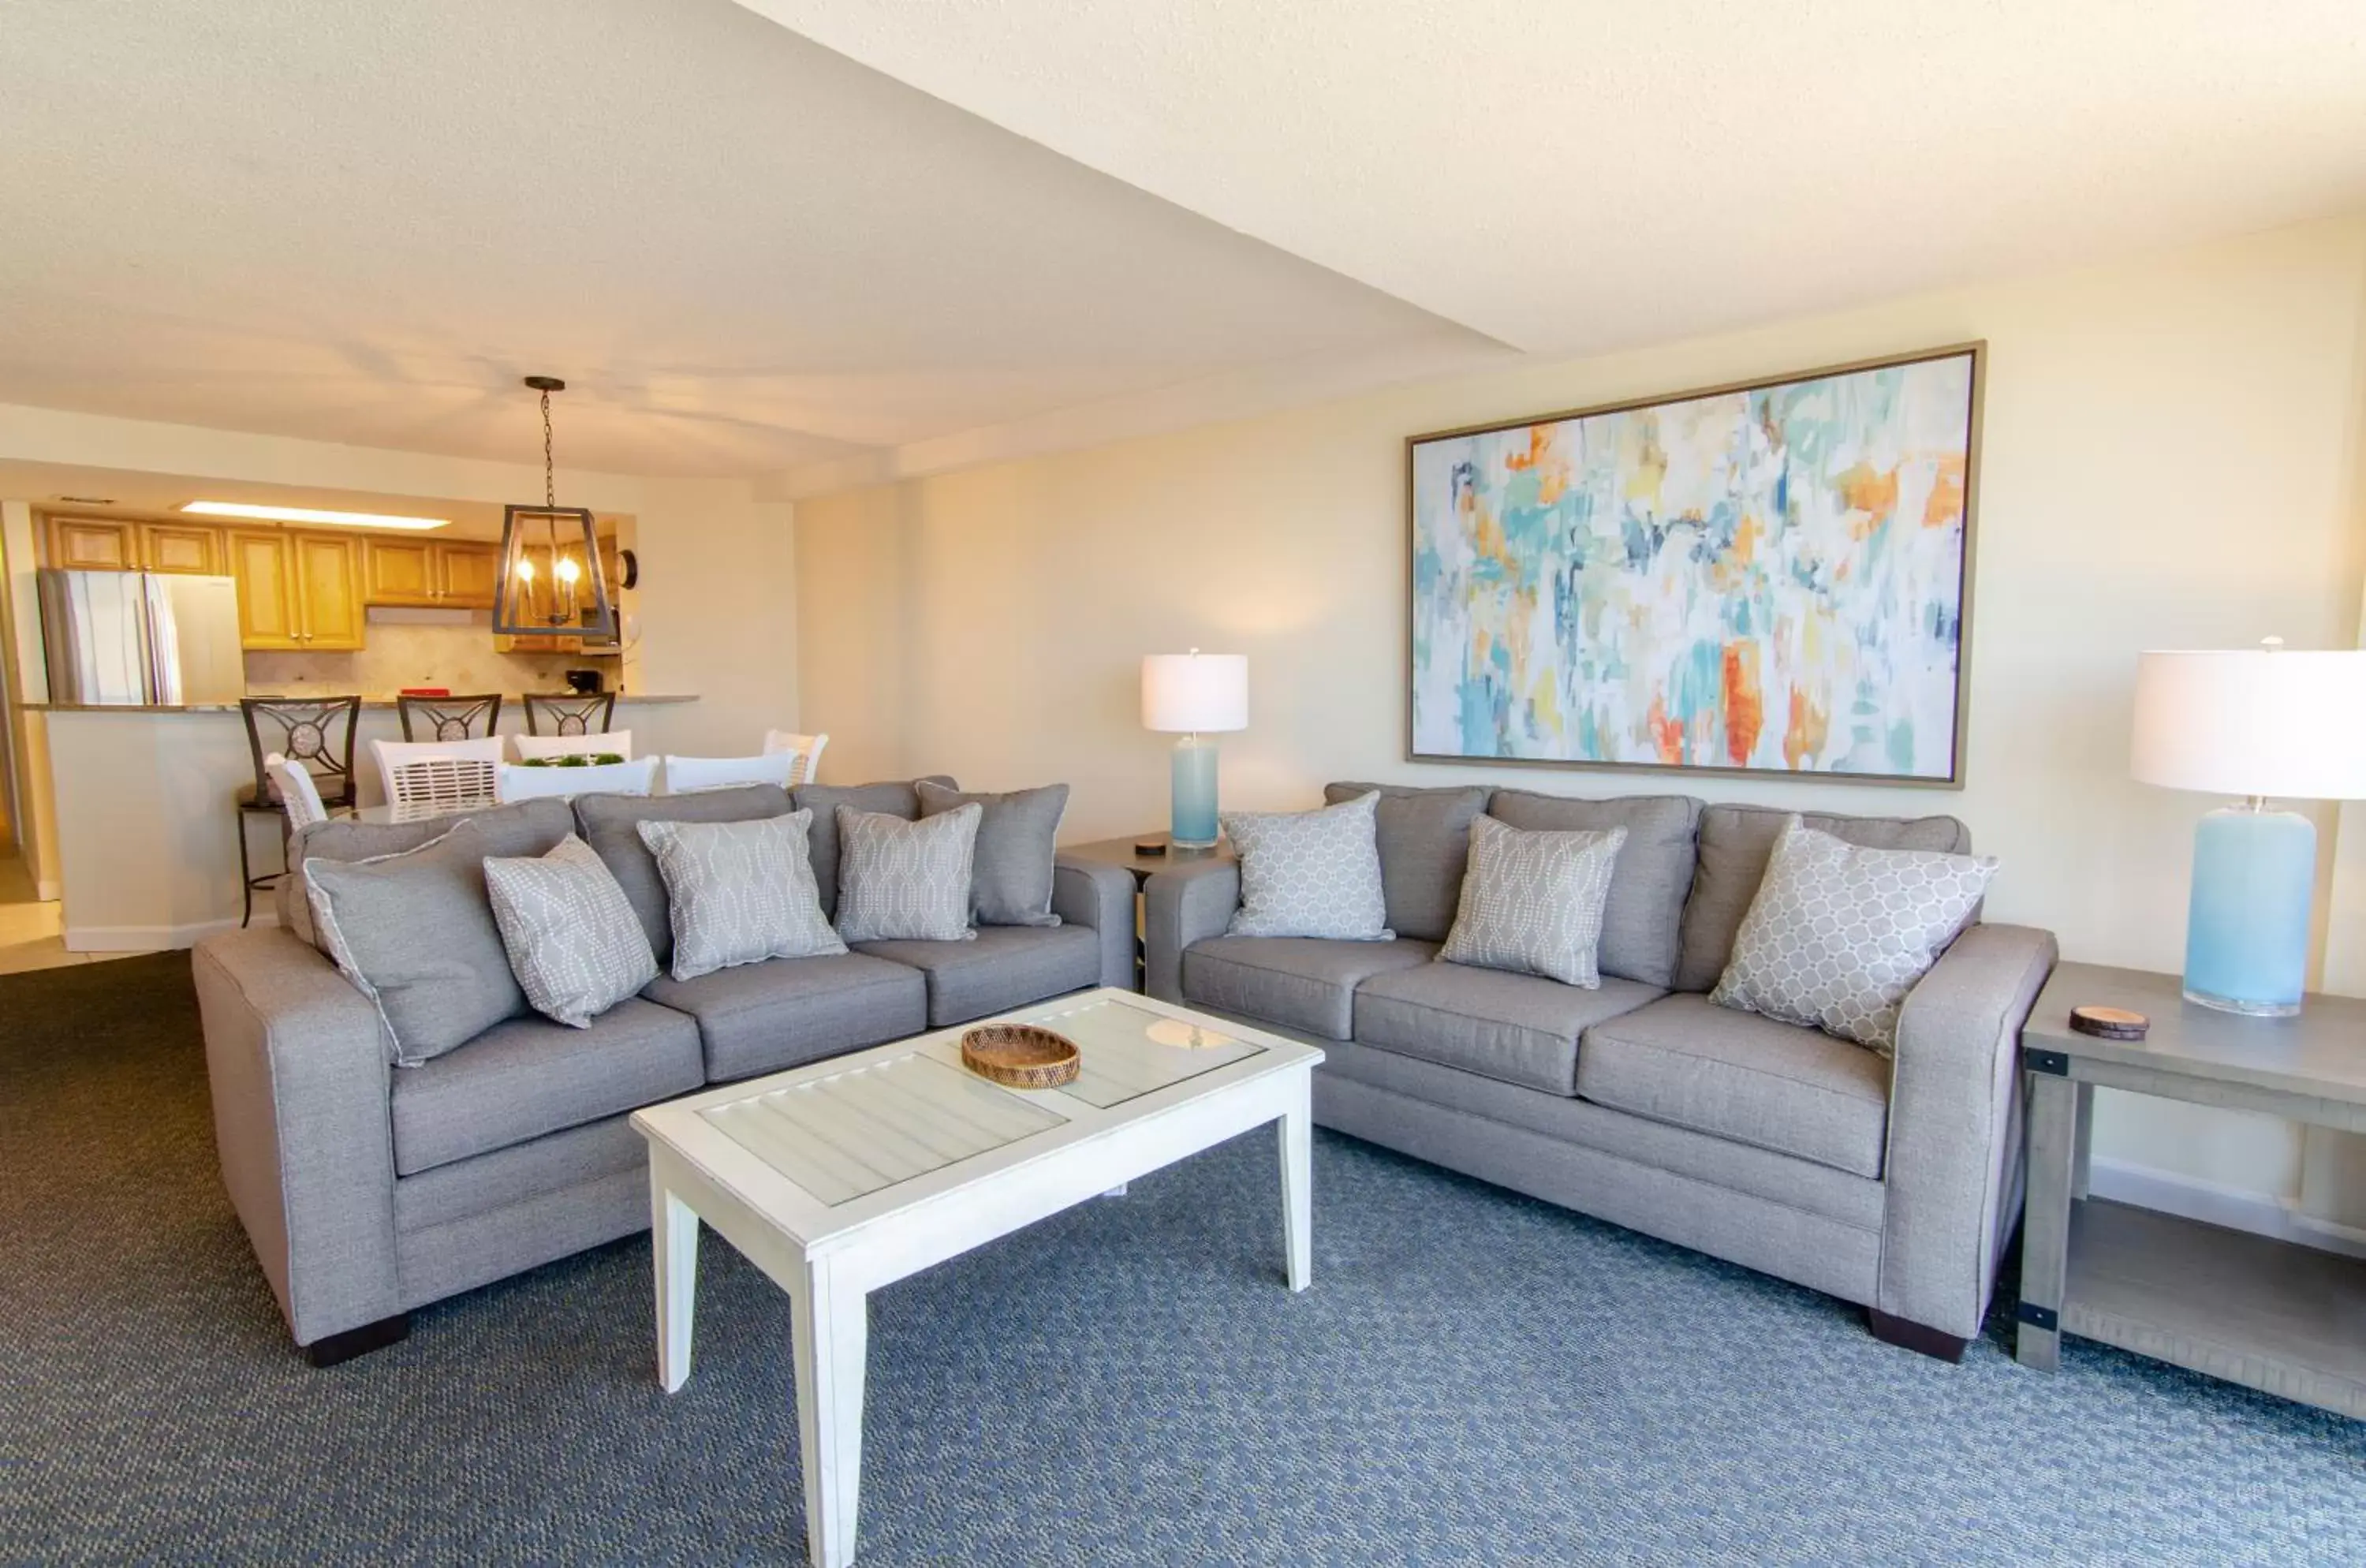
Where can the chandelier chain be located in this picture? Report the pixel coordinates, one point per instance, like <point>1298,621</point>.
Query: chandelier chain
<point>549,483</point>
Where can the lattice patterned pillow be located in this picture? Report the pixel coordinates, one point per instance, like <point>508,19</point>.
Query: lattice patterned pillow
<point>740,892</point>
<point>1532,900</point>
<point>905,881</point>
<point>1838,935</point>
<point>1311,872</point>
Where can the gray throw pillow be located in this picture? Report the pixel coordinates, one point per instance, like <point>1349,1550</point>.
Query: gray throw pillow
<point>1011,872</point>
<point>900,881</point>
<point>574,942</point>
<point>740,892</point>
<point>1424,837</point>
<point>415,931</point>
<point>611,824</point>
<point>521,827</point>
<point>1311,872</point>
<point>1838,934</point>
<point>894,798</point>
<point>1533,901</point>
<point>1643,922</point>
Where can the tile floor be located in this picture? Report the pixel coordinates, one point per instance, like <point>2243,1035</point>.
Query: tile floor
<point>29,927</point>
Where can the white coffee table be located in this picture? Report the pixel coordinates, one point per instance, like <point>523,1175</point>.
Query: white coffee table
<point>847,1175</point>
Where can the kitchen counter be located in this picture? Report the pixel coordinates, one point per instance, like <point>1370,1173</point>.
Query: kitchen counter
<point>384,704</point>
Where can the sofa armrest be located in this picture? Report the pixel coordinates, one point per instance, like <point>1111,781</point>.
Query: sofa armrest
<point>298,1068</point>
<point>1182,904</point>
<point>1095,894</point>
<point>1954,1163</point>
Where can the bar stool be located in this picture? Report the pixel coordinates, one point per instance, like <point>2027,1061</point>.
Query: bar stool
<point>316,734</point>
<point>449,718</point>
<point>570,713</point>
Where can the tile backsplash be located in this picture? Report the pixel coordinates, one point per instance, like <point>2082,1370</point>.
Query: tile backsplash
<point>403,651</point>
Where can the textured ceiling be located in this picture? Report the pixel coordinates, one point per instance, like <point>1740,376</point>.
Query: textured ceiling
<point>362,222</point>
<point>1569,175</point>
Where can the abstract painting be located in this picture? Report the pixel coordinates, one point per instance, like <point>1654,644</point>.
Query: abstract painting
<point>1768,578</point>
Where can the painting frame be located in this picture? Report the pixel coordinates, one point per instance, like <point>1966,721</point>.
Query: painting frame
<point>1975,350</point>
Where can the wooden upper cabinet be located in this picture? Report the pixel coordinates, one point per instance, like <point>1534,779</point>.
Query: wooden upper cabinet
<point>398,571</point>
<point>187,548</point>
<point>264,561</point>
<point>329,585</point>
<point>466,574</point>
<point>94,544</point>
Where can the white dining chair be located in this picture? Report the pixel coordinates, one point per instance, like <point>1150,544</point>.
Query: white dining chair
<point>515,780</point>
<point>806,750</point>
<point>688,775</point>
<point>298,793</point>
<point>430,776</point>
<point>524,748</point>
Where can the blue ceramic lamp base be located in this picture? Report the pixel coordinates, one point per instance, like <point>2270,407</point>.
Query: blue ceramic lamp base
<point>1194,826</point>
<point>2246,927</point>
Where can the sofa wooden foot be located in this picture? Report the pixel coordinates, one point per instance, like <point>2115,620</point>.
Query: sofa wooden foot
<point>337,1347</point>
<point>1915,1337</point>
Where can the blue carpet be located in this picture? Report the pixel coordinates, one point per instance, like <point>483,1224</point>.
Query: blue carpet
<point>1473,1378</point>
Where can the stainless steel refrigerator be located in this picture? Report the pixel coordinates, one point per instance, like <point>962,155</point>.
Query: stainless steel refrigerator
<point>128,638</point>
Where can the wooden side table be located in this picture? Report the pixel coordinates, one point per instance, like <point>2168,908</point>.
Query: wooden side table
<point>2266,1314</point>
<point>1121,853</point>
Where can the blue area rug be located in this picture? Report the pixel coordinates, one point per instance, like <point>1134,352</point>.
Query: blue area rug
<point>1473,1378</point>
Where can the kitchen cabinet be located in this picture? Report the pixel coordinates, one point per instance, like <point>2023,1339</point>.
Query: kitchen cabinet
<point>428,572</point>
<point>190,548</point>
<point>298,591</point>
<point>466,575</point>
<point>94,544</point>
<point>398,570</point>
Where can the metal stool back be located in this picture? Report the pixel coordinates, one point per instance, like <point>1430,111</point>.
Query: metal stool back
<point>570,713</point>
<point>449,718</point>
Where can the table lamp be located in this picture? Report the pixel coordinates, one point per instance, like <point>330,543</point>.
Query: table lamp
<point>1195,694</point>
<point>2252,723</point>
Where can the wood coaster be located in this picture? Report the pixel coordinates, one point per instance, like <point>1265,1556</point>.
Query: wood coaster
<point>2109,1023</point>
<point>1150,846</point>
<point>1019,1056</point>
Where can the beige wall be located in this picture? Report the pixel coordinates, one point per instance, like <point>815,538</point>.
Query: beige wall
<point>2172,460</point>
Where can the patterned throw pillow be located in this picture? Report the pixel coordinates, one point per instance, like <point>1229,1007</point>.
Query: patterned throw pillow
<point>1532,901</point>
<point>900,881</point>
<point>574,942</point>
<point>1311,872</point>
<point>1838,935</point>
<point>740,892</point>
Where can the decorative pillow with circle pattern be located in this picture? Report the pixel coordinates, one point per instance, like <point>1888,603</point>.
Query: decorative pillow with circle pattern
<point>1311,872</point>
<point>1838,934</point>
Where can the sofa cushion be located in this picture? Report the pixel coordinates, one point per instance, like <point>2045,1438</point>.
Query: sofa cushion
<point>760,1018</point>
<point>1641,922</point>
<point>1424,837</point>
<point>528,1077</point>
<point>1735,844</point>
<point>611,825</point>
<point>416,933</point>
<point>1002,968</point>
<point>905,881</point>
<point>1299,982</point>
<point>1310,872</point>
<point>899,798</point>
<point>738,891</point>
<point>1017,839</point>
<point>573,941</point>
<point>525,828</point>
<point>1532,901</point>
<point>1523,1029</point>
<point>1685,1061</point>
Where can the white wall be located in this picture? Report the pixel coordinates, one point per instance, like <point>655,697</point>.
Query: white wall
<point>2172,459</point>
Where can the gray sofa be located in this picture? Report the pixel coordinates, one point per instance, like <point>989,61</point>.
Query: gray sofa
<point>368,1190</point>
<point>1778,1147</point>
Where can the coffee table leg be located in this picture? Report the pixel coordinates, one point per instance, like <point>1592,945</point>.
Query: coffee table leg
<point>1297,1133</point>
<point>673,1246</point>
<point>831,1326</point>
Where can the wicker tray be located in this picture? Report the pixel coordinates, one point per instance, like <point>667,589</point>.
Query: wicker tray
<point>1019,1056</point>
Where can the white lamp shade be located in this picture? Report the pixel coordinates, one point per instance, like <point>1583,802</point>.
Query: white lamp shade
<point>1195,694</point>
<point>2253,722</point>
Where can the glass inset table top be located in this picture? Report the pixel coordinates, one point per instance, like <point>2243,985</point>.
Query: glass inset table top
<point>1130,1051</point>
<point>884,1121</point>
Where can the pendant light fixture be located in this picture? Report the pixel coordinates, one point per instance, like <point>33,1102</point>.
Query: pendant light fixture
<point>551,583</point>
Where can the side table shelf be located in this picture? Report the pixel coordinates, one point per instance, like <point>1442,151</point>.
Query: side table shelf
<point>2270,1315</point>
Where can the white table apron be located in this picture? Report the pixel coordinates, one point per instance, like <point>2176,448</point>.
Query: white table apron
<point>828,1283</point>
